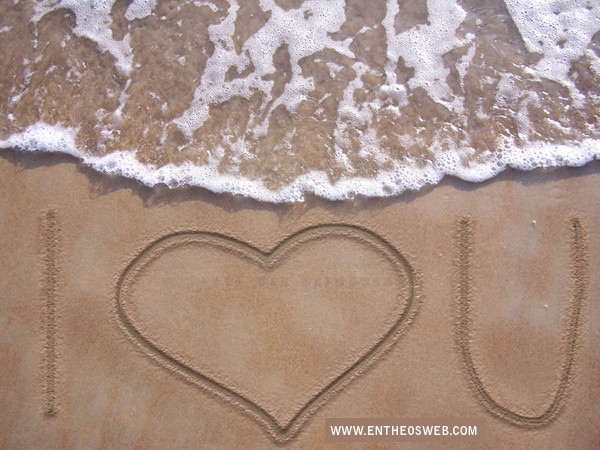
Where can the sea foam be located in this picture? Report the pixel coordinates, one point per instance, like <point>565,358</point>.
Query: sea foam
<point>275,101</point>
<point>50,138</point>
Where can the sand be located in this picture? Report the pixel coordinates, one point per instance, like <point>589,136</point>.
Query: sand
<point>133,318</point>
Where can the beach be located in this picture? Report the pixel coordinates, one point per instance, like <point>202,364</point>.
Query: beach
<point>109,389</point>
<point>246,224</point>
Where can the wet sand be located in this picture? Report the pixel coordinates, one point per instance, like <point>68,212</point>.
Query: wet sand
<point>335,98</point>
<point>133,318</point>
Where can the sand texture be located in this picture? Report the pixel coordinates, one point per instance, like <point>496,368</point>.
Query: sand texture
<point>133,318</point>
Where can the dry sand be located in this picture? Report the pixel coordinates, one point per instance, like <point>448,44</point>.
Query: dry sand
<point>185,319</point>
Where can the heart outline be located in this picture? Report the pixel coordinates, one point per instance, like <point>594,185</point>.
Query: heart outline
<point>267,260</point>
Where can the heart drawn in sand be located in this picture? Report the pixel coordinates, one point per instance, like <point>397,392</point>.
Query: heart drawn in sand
<point>276,333</point>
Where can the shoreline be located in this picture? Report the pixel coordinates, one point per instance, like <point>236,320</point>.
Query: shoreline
<point>162,192</point>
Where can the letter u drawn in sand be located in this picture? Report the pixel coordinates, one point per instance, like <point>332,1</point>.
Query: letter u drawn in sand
<point>578,294</point>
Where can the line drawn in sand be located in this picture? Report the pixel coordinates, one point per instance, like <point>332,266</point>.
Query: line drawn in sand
<point>49,327</point>
<point>267,261</point>
<point>579,280</point>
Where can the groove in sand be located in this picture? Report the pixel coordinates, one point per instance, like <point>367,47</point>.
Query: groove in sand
<point>578,294</point>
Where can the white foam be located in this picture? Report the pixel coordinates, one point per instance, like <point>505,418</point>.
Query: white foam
<point>305,31</point>
<point>44,138</point>
<point>559,30</point>
<point>423,46</point>
<point>138,9</point>
<point>93,21</point>
<point>403,176</point>
<point>465,61</point>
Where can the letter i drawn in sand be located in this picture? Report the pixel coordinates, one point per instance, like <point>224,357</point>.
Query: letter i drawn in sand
<point>49,293</point>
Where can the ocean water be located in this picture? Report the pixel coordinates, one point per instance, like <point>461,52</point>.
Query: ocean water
<point>274,99</point>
